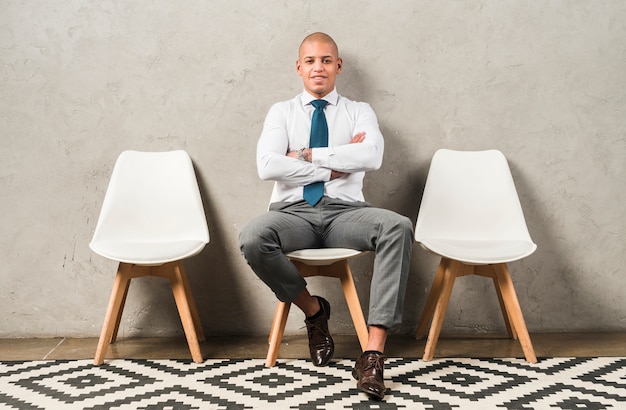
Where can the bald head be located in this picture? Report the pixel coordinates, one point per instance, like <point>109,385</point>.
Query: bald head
<point>321,38</point>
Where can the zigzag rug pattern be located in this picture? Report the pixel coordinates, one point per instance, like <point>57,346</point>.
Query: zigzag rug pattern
<point>561,383</point>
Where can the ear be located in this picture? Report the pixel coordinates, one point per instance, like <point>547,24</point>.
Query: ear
<point>339,65</point>
<point>298,67</point>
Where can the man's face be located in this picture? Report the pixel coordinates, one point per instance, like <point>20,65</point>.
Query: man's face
<point>318,64</point>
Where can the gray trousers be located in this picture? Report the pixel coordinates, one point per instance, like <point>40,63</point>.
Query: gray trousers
<point>332,224</point>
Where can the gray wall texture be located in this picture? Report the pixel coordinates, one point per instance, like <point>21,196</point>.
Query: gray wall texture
<point>81,81</point>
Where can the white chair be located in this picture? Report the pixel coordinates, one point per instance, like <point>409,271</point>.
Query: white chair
<point>471,216</point>
<point>328,262</point>
<point>151,219</point>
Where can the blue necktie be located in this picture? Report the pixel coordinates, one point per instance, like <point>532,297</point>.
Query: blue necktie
<point>319,138</point>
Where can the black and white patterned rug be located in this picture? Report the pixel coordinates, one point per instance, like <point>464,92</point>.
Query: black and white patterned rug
<point>553,383</point>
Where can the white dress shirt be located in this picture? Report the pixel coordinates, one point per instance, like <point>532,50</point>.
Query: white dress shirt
<point>287,128</point>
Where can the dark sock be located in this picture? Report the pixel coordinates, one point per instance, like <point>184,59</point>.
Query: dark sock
<point>372,351</point>
<point>317,315</point>
<point>319,312</point>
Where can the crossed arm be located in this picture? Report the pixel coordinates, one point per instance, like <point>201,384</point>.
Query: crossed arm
<point>307,154</point>
<point>282,137</point>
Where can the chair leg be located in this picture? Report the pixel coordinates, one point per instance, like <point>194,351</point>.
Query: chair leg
<point>440,310</point>
<point>114,312</point>
<point>276,332</point>
<point>431,302</point>
<point>183,302</point>
<point>192,304</point>
<point>510,329</point>
<point>116,327</point>
<point>354,305</point>
<point>505,283</point>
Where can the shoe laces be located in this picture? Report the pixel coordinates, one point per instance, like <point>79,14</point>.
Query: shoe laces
<point>315,327</point>
<point>375,361</point>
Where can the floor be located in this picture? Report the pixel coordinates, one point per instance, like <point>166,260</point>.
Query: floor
<point>346,346</point>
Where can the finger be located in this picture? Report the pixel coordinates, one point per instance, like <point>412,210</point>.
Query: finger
<point>358,137</point>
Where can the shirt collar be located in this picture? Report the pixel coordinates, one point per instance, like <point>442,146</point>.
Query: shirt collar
<point>331,97</point>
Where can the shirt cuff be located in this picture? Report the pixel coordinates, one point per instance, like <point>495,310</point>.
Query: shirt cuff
<point>322,174</point>
<point>320,156</point>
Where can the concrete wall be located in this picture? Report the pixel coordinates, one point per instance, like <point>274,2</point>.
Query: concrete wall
<point>81,81</point>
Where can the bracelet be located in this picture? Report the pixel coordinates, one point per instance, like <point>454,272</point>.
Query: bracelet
<point>300,156</point>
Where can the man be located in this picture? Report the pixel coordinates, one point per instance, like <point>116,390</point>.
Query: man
<point>341,218</point>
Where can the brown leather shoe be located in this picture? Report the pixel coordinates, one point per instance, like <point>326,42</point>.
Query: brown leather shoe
<point>368,372</point>
<point>321,345</point>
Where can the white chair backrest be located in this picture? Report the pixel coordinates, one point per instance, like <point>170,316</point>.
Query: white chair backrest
<point>152,197</point>
<point>470,195</point>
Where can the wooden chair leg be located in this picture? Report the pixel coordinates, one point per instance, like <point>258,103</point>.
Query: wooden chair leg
<point>514,310</point>
<point>118,320</point>
<point>114,312</point>
<point>277,311</point>
<point>440,311</point>
<point>354,305</point>
<point>431,301</point>
<point>192,304</point>
<point>184,309</point>
<point>276,333</point>
<point>510,329</point>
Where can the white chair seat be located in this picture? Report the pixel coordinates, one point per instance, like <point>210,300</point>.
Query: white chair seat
<point>322,256</point>
<point>479,252</point>
<point>147,253</point>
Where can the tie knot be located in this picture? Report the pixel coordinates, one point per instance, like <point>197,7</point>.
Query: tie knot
<point>319,103</point>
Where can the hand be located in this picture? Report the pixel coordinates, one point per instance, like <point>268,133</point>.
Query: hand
<point>358,137</point>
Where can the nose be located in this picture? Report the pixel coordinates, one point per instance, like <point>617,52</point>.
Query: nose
<point>318,66</point>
